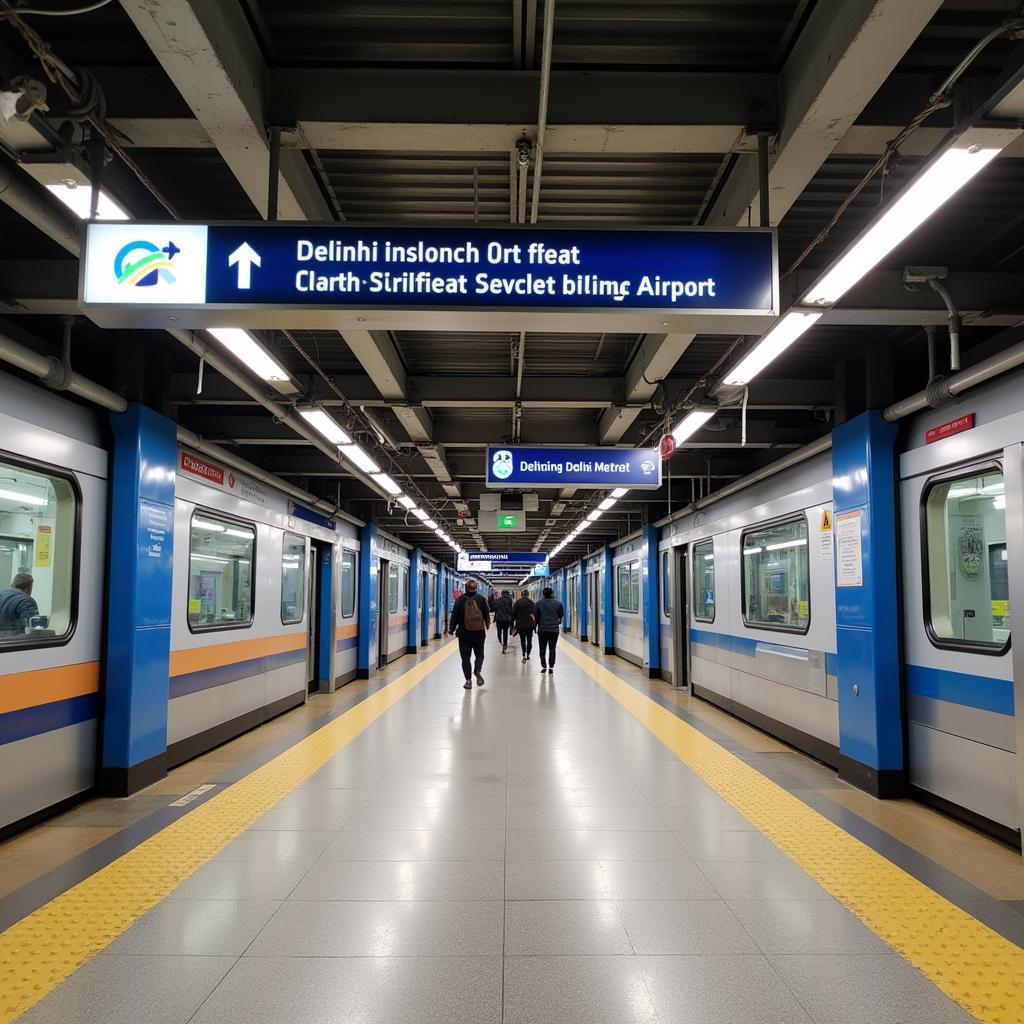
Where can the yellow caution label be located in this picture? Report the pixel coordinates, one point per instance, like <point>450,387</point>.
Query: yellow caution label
<point>1001,608</point>
<point>974,965</point>
<point>44,546</point>
<point>47,947</point>
<point>826,520</point>
<point>804,609</point>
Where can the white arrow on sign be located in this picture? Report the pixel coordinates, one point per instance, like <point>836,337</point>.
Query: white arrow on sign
<point>246,257</point>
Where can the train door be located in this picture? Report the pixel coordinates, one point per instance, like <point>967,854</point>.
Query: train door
<point>424,610</point>
<point>679,617</point>
<point>383,616</point>
<point>312,616</point>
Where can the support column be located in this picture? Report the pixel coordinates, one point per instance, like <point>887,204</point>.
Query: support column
<point>368,569</point>
<point>649,600</point>
<point>608,602</point>
<point>439,623</point>
<point>135,692</point>
<point>414,600</point>
<point>868,667</point>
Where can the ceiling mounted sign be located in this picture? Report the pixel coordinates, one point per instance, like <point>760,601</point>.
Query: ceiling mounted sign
<point>492,561</point>
<point>331,275</point>
<point>592,468</point>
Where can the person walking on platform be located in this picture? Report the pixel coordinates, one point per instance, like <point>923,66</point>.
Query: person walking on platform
<point>471,619</point>
<point>524,619</point>
<point>503,618</point>
<point>549,623</point>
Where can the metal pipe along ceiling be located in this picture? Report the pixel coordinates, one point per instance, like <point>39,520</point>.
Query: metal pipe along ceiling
<point>960,382</point>
<point>542,112</point>
<point>55,374</point>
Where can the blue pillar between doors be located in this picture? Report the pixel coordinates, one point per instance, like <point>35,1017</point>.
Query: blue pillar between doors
<point>135,691</point>
<point>867,641</point>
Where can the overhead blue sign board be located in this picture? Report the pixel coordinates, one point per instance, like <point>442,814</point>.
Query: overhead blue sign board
<point>492,561</point>
<point>257,266</point>
<point>594,468</point>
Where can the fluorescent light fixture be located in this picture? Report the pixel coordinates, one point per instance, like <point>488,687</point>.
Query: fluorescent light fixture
<point>31,499</point>
<point>753,551</point>
<point>595,515</point>
<point>78,199</point>
<point>439,531</point>
<point>359,458</point>
<point>245,348</point>
<point>430,524</point>
<point>942,180</point>
<point>244,534</point>
<point>606,504</point>
<point>619,492</point>
<point>406,502</point>
<point>773,344</point>
<point>691,423</point>
<point>387,483</point>
<point>325,425</point>
<point>420,514</point>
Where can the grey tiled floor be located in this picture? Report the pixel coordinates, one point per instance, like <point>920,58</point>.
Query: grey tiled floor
<point>526,853</point>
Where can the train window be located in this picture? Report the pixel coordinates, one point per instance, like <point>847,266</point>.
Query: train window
<point>348,584</point>
<point>293,578</point>
<point>666,583</point>
<point>776,576</point>
<point>392,587</point>
<point>627,586</point>
<point>38,528</point>
<point>220,561</point>
<point>967,582</point>
<point>704,581</point>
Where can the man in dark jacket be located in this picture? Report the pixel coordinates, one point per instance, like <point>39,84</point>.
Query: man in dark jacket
<point>503,618</point>
<point>549,624</point>
<point>17,605</point>
<point>524,613</point>
<point>470,619</point>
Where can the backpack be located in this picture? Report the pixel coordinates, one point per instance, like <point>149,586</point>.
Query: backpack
<point>472,617</point>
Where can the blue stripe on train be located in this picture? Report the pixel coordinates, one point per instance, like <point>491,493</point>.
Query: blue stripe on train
<point>207,678</point>
<point>744,645</point>
<point>969,691</point>
<point>346,643</point>
<point>19,725</point>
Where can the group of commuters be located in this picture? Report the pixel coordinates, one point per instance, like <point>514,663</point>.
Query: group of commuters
<point>471,618</point>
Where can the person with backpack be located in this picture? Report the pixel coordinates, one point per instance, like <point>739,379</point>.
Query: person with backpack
<point>549,624</point>
<point>470,620</point>
<point>524,619</point>
<point>503,618</point>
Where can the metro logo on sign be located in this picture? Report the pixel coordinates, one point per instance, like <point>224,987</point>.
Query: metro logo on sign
<point>200,467</point>
<point>957,426</point>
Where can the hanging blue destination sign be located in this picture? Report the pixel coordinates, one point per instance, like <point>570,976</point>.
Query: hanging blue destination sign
<point>594,468</point>
<point>249,267</point>
<point>490,561</point>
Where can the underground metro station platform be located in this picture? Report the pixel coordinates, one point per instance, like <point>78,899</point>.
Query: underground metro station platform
<point>511,511</point>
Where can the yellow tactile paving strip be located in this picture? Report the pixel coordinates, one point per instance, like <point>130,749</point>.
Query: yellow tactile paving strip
<point>973,965</point>
<point>47,947</point>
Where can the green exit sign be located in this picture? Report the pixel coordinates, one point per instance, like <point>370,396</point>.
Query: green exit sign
<point>506,522</point>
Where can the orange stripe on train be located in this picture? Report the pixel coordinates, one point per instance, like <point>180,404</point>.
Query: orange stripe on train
<point>20,690</point>
<point>196,659</point>
<point>344,632</point>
